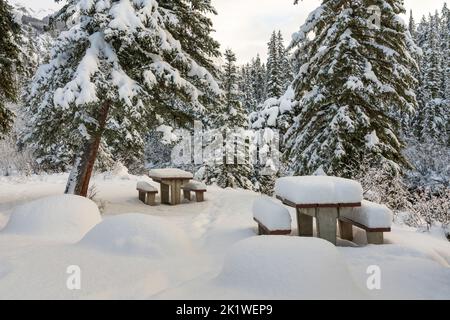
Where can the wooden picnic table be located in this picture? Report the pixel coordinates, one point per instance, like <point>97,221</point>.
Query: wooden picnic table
<point>327,216</point>
<point>321,198</point>
<point>171,181</point>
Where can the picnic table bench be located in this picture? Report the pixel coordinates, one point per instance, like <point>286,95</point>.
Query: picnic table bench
<point>198,188</point>
<point>147,193</point>
<point>272,218</point>
<point>374,218</point>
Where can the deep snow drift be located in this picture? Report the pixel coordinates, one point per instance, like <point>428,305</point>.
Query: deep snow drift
<point>61,218</point>
<point>138,234</point>
<point>194,250</point>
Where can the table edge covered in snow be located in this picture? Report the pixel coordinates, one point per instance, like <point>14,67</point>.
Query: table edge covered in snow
<point>317,205</point>
<point>158,174</point>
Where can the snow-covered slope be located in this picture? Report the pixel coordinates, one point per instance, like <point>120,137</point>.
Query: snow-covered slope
<point>119,262</point>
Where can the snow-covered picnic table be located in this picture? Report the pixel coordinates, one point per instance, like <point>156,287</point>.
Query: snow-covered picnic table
<point>171,181</point>
<point>319,197</point>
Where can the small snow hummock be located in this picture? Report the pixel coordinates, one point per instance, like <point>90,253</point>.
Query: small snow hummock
<point>288,267</point>
<point>195,185</point>
<point>137,234</point>
<point>370,214</point>
<point>273,215</point>
<point>64,218</point>
<point>319,190</point>
<point>170,173</point>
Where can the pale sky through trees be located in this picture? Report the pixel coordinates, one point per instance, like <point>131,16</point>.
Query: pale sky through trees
<point>245,25</point>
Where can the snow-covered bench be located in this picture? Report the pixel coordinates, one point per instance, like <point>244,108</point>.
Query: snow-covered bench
<point>147,193</point>
<point>272,218</point>
<point>194,186</point>
<point>374,218</point>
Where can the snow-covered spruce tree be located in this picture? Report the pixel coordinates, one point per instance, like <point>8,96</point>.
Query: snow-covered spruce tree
<point>9,57</point>
<point>111,73</point>
<point>445,72</point>
<point>412,25</point>
<point>357,76</point>
<point>431,121</point>
<point>193,28</point>
<point>259,79</point>
<point>284,62</point>
<point>274,78</point>
<point>248,98</point>
<point>233,168</point>
<point>445,41</point>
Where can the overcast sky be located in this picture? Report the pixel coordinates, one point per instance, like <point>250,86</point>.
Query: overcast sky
<point>246,25</point>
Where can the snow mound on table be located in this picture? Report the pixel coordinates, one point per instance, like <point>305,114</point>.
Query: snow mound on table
<point>273,215</point>
<point>170,173</point>
<point>137,234</point>
<point>62,218</point>
<point>319,190</point>
<point>288,267</point>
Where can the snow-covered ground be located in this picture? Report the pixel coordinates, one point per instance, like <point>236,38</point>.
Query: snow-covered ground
<point>198,250</point>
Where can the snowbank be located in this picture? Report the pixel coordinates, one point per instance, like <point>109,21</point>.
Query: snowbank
<point>288,267</point>
<point>370,214</point>
<point>319,190</point>
<point>64,218</point>
<point>273,215</point>
<point>138,234</point>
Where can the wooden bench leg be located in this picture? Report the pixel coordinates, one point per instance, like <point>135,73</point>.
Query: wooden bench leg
<point>199,196</point>
<point>327,224</point>
<point>142,196</point>
<point>375,237</point>
<point>260,230</point>
<point>187,194</point>
<point>304,224</point>
<point>346,230</point>
<point>151,199</point>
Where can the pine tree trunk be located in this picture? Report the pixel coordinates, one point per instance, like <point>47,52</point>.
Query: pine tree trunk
<point>78,183</point>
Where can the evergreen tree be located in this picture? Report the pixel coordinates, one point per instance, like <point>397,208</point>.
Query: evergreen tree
<point>285,65</point>
<point>246,88</point>
<point>412,25</point>
<point>9,66</point>
<point>357,77</point>
<point>274,78</point>
<point>445,49</point>
<point>259,79</point>
<point>431,121</point>
<point>233,169</point>
<point>112,75</point>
